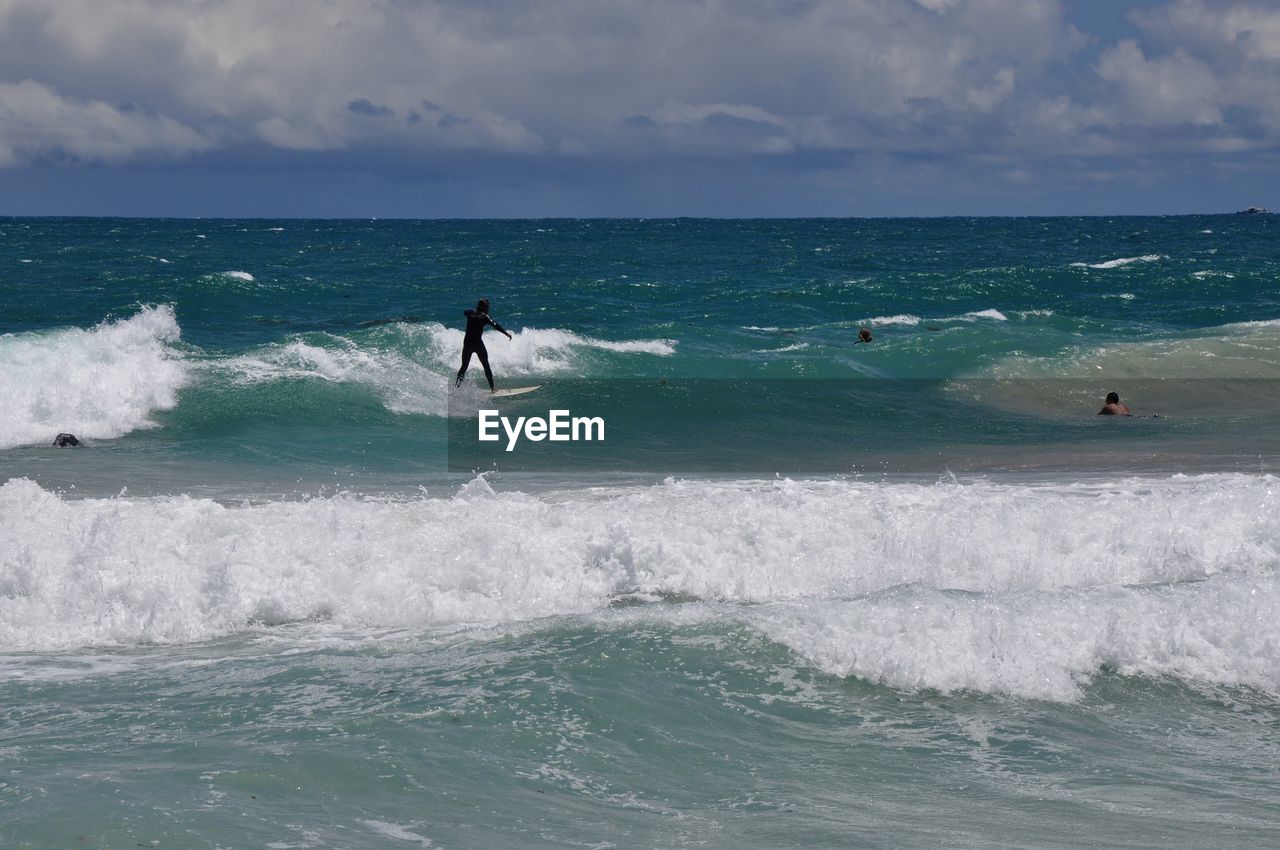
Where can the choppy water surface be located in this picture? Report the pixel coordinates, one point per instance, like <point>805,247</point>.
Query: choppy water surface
<point>908,593</point>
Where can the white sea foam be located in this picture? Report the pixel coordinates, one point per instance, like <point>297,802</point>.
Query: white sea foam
<point>900,319</point>
<point>397,832</point>
<point>1255,324</point>
<point>1225,630</point>
<point>1243,350</point>
<point>404,384</point>
<point>98,383</point>
<point>236,275</point>
<point>911,321</point>
<point>1123,261</point>
<point>536,351</point>
<point>1023,589</point>
<point>993,315</point>
<point>411,366</point>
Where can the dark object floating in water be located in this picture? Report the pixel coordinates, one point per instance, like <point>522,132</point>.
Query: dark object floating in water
<point>1255,211</point>
<point>64,440</point>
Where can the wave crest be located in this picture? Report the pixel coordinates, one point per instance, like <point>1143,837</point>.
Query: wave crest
<point>1120,262</point>
<point>98,383</point>
<point>944,586</point>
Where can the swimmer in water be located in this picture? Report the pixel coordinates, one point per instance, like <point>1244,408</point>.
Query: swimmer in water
<point>1114,406</point>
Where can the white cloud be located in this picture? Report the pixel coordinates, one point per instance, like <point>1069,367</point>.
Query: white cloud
<point>532,77</point>
<point>1248,31</point>
<point>36,121</point>
<point>282,134</point>
<point>575,77</point>
<point>938,5</point>
<point>1170,90</point>
<point>986,98</point>
<point>1238,41</point>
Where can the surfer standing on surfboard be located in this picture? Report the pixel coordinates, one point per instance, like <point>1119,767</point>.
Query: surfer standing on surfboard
<point>472,343</point>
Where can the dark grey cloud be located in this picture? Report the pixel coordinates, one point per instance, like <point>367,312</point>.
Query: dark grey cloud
<point>364,106</point>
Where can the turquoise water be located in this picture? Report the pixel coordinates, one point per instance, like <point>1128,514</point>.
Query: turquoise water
<point>805,593</point>
<point>300,355</point>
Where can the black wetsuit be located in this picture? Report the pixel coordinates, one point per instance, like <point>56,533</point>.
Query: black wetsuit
<point>473,344</point>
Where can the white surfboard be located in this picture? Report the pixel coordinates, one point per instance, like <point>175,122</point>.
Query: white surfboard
<point>513,391</point>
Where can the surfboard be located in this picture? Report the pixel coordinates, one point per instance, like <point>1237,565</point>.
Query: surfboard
<point>513,391</point>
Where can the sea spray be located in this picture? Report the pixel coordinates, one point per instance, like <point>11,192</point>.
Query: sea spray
<point>411,366</point>
<point>540,351</point>
<point>178,569</point>
<point>1224,630</point>
<point>101,382</point>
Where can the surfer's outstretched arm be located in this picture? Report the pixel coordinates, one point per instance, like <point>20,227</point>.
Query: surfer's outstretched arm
<point>499,328</point>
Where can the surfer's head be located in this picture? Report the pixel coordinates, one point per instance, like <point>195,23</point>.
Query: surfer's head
<point>483,305</point>
<point>1113,398</point>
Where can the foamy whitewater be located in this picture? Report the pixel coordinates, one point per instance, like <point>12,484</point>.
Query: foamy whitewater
<point>807,593</point>
<point>104,381</point>
<point>1045,583</point>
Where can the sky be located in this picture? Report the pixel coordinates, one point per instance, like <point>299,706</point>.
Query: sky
<point>645,108</point>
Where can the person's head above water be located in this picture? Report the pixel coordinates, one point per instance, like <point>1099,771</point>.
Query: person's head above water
<point>1114,406</point>
<point>483,305</point>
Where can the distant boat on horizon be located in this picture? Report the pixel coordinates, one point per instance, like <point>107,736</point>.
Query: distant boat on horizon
<point>1256,211</point>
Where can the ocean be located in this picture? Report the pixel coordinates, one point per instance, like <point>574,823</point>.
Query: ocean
<point>802,592</point>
